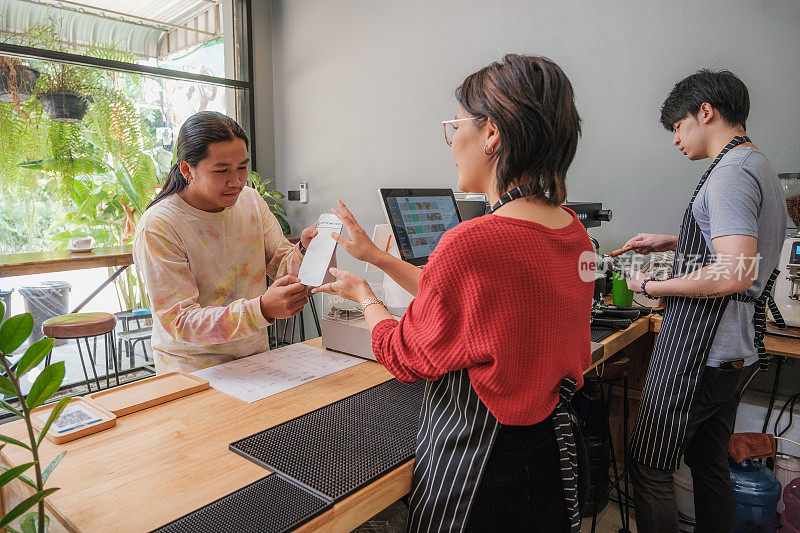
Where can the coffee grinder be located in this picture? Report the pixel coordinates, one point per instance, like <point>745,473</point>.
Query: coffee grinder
<point>787,286</point>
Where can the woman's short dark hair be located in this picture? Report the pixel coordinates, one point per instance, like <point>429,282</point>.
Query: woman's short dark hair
<point>196,134</point>
<point>530,100</point>
<point>722,90</point>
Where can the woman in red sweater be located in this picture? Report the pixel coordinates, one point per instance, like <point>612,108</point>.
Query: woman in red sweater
<point>499,325</point>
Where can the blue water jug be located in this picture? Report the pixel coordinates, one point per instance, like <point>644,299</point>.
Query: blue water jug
<point>756,491</point>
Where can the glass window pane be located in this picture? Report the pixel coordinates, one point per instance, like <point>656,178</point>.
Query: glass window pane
<point>154,32</point>
<point>84,149</point>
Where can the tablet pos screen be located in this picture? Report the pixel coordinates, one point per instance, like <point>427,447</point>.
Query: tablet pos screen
<point>419,218</point>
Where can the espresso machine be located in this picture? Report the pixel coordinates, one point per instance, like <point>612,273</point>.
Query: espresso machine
<point>591,215</point>
<point>787,286</point>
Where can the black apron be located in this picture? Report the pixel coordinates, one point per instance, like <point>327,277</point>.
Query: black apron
<point>682,348</point>
<point>456,434</point>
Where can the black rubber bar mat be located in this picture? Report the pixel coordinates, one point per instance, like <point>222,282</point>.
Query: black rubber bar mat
<point>344,446</point>
<point>599,334</point>
<point>624,312</point>
<point>632,314</point>
<point>615,323</point>
<point>271,504</point>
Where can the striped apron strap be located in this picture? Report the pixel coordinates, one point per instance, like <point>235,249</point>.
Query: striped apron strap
<point>565,421</point>
<point>517,192</point>
<point>760,318</point>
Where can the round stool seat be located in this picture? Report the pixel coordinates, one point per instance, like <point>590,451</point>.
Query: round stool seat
<point>614,368</point>
<point>77,325</point>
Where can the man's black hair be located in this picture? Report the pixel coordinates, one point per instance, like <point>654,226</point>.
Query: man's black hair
<point>722,90</point>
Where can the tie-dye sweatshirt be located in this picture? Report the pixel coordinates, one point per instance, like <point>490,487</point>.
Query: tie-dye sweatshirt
<point>204,273</point>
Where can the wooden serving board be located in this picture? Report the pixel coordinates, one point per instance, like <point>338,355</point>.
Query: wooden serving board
<point>107,420</point>
<point>139,395</point>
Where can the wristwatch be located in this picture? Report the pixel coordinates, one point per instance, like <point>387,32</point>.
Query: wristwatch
<point>302,248</point>
<point>644,290</point>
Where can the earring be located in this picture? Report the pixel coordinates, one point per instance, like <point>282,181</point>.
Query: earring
<point>485,152</point>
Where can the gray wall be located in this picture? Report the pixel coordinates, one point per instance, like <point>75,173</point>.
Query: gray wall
<point>360,89</point>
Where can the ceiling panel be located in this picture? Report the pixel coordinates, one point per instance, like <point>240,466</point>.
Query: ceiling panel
<point>168,11</point>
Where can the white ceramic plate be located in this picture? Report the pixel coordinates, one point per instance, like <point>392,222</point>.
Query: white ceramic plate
<point>78,250</point>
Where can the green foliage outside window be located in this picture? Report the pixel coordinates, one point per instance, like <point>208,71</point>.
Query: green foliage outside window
<point>91,177</point>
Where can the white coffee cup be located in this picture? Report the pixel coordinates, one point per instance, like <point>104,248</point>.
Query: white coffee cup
<point>80,242</point>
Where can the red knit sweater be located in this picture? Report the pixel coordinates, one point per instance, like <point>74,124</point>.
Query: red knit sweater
<point>503,298</point>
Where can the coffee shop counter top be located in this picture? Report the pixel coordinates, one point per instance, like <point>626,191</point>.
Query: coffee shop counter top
<point>775,345</point>
<point>159,464</point>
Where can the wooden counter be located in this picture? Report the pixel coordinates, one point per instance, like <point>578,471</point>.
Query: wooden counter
<point>164,462</point>
<point>161,463</point>
<point>63,260</point>
<point>774,344</point>
<point>619,340</point>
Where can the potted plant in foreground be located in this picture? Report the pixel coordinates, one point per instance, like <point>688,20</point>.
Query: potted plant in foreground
<point>13,333</point>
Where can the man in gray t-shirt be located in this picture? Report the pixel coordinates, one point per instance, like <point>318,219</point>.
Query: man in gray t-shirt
<point>742,196</point>
<point>730,242</point>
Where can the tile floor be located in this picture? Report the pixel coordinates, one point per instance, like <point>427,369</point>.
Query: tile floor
<point>609,521</point>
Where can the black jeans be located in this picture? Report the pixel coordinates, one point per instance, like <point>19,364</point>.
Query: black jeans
<point>521,488</point>
<point>708,433</point>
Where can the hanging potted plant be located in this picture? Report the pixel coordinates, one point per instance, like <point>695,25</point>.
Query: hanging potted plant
<point>62,92</point>
<point>63,89</point>
<point>16,80</point>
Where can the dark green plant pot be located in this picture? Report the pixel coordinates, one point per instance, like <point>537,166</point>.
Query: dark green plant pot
<point>65,107</point>
<point>17,79</point>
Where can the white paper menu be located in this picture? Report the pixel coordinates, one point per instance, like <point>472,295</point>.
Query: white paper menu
<point>321,252</point>
<point>261,375</point>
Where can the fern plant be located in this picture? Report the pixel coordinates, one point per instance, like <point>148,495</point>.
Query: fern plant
<point>25,137</point>
<point>107,166</point>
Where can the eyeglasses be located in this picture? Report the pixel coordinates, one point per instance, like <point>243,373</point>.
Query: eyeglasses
<point>450,128</point>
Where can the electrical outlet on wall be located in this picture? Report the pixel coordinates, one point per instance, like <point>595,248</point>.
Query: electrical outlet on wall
<point>300,195</point>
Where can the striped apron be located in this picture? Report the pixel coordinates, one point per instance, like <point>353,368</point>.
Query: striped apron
<point>455,437</point>
<point>682,348</point>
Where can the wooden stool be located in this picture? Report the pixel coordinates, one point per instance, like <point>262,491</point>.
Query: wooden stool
<point>83,326</point>
<point>608,374</point>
